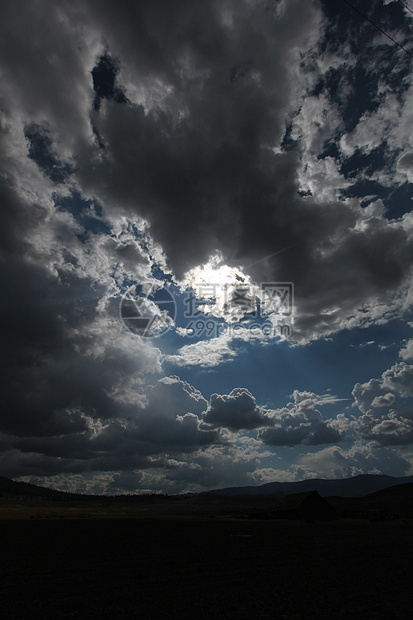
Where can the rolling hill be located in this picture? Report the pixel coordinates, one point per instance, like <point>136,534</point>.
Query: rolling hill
<point>346,487</point>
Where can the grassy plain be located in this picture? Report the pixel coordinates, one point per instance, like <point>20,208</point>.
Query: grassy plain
<point>198,567</point>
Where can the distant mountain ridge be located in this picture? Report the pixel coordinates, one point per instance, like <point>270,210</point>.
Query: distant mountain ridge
<point>357,486</point>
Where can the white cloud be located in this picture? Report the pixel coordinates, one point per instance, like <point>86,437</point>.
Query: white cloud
<point>190,166</point>
<point>158,169</point>
<point>368,458</point>
<point>386,418</point>
<point>221,348</point>
<point>399,379</point>
<point>204,353</point>
<point>301,422</point>
<point>373,127</point>
<point>406,353</point>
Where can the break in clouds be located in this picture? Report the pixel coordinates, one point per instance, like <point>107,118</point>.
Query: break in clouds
<point>141,140</point>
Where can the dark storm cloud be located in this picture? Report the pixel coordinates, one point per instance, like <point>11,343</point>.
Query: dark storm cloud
<point>46,376</point>
<point>192,100</point>
<point>198,163</point>
<point>72,379</point>
<point>64,365</point>
<point>195,158</point>
<point>45,61</point>
<point>166,421</point>
<point>237,410</point>
<point>173,112</point>
<point>43,320</point>
<point>41,151</point>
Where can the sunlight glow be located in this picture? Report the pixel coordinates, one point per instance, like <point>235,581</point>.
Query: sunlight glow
<point>217,284</point>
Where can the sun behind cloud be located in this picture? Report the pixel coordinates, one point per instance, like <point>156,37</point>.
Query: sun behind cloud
<point>220,286</point>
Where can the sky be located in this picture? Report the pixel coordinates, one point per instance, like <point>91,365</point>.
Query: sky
<point>206,242</point>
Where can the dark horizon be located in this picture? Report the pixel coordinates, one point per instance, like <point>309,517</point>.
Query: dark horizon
<point>363,484</point>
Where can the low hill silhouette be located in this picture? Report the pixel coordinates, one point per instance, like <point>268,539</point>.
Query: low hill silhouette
<point>12,488</point>
<point>395,501</point>
<point>24,491</point>
<point>356,486</point>
<point>399,497</point>
<point>31,501</point>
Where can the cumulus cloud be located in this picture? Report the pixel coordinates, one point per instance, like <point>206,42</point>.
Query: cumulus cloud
<point>187,132</point>
<point>386,418</point>
<point>406,353</point>
<point>301,422</point>
<point>361,458</point>
<point>399,379</point>
<point>64,355</point>
<point>217,465</point>
<point>237,410</point>
<point>140,136</point>
<point>163,419</point>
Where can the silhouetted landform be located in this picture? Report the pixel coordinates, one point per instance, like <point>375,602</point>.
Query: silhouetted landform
<point>346,487</point>
<point>356,486</point>
<point>20,500</point>
<point>400,496</point>
<point>308,506</point>
<point>13,488</point>
<point>391,503</point>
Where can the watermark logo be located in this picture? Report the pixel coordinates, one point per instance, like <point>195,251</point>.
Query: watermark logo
<point>148,311</point>
<point>212,328</point>
<point>277,297</point>
<point>210,310</point>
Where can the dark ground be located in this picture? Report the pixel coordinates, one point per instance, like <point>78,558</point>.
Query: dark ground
<point>205,568</point>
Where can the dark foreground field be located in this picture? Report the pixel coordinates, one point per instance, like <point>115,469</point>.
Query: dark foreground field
<point>204,568</point>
